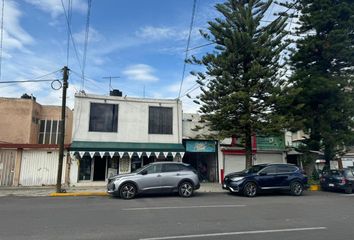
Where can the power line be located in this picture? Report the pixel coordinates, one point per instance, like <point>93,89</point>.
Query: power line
<point>2,35</point>
<point>86,42</point>
<point>71,35</point>
<point>68,39</point>
<point>188,42</point>
<point>30,80</point>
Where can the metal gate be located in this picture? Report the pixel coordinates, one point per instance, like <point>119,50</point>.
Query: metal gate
<point>234,163</point>
<point>7,167</point>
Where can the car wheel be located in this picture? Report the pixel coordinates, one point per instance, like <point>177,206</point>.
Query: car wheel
<point>185,189</point>
<point>296,188</point>
<point>127,191</point>
<point>349,190</point>
<point>250,189</point>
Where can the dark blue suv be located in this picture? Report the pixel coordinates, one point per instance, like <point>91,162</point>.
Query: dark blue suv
<point>266,177</point>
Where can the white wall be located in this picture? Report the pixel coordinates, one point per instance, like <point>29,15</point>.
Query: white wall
<point>133,120</point>
<point>40,167</point>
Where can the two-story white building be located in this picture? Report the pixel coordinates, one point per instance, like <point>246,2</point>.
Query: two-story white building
<point>115,134</point>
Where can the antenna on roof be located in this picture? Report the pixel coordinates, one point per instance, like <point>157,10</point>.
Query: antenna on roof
<point>110,82</point>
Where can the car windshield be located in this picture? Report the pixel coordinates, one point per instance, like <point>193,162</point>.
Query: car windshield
<point>254,169</point>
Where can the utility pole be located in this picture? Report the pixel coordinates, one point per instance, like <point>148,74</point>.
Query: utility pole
<point>62,134</point>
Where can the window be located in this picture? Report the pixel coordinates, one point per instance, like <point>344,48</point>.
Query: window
<point>103,117</point>
<point>156,168</point>
<point>171,168</point>
<point>269,170</point>
<point>286,169</point>
<point>160,120</point>
<point>49,131</point>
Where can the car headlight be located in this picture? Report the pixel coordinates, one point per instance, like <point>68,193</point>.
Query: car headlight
<point>235,179</point>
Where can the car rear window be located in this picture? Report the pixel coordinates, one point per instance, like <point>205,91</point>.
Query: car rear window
<point>286,169</point>
<point>171,168</point>
<point>349,173</point>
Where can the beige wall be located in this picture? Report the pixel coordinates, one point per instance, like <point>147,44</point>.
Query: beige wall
<point>20,120</point>
<point>16,120</point>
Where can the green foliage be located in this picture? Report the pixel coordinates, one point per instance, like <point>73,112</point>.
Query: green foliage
<point>243,86</point>
<point>322,99</point>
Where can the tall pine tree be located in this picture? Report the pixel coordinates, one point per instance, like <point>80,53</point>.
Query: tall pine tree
<point>241,81</point>
<point>323,74</point>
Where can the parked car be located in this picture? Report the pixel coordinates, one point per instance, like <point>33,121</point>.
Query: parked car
<point>264,177</point>
<point>338,180</point>
<point>156,177</point>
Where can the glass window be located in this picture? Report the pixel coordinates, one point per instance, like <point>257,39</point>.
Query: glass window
<point>103,117</point>
<point>160,120</point>
<point>269,170</point>
<point>171,168</point>
<point>286,169</point>
<point>155,168</point>
<point>255,169</point>
<point>85,168</point>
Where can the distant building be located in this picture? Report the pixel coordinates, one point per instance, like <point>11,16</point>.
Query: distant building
<point>29,137</point>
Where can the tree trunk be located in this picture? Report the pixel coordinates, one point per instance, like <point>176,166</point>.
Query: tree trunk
<point>248,146</point>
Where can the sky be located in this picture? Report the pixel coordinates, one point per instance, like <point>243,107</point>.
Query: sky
<point>141,42</point>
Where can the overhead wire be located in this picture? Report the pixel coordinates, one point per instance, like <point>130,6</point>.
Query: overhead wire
<point>89,2</point>
<point>68,38</point>
<point>188,43</point>
<point>2,34</point>
<point>71,35</point>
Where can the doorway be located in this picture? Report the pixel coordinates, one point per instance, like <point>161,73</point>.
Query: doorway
<point>99,173</point>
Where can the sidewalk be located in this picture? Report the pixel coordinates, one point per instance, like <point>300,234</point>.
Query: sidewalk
<point>80,191</point>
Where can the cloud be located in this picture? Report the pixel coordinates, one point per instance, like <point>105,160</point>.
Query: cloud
<point>156,33</point>
<point>93,36</point>
<point>15,37</point>
<point>55,8</point>
<point>140,72</point>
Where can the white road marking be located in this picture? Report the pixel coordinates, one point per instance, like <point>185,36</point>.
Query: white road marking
<point>236,233</point>
<point>182,207</point>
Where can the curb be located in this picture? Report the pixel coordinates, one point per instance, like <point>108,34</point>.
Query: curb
<point>314,187</point>
<point>78,194</point>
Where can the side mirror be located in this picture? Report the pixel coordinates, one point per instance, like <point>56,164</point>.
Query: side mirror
<point>262,174</point>
<point>143,172</point>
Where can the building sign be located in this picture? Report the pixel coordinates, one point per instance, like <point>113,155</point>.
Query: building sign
<point>200,146</point>
<point>270,143</point>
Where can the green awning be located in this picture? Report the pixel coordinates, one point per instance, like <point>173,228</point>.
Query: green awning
<point>125,147</point>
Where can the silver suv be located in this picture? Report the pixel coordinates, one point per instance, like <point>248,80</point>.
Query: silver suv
<point>156,177</point>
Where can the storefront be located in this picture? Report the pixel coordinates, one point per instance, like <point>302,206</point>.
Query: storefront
<point>97,161</point>
<point>202,155</point>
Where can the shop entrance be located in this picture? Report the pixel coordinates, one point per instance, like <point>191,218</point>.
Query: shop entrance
<point>204,163</point>
<point>99,172</point>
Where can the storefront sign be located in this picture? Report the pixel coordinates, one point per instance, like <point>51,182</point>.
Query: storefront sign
<point>200,146</point>
<point>270,143</point>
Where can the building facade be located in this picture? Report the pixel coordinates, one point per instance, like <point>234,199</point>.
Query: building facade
<point>115,135</point>
<point>29,137</point>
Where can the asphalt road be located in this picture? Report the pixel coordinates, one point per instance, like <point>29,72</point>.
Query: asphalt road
<point>316,215</point>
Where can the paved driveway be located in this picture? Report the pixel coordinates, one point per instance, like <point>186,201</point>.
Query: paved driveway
<point>316,215</point>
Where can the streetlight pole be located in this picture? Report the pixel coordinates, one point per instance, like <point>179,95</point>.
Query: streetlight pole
<point>62,130</point>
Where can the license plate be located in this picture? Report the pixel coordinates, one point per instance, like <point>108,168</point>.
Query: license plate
<point>330,185</point>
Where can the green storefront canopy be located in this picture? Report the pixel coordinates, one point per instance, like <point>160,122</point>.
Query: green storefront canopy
<point>126,147</point>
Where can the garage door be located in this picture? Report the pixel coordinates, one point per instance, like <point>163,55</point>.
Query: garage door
<point>234,163</point>
<point>40,168</point>
<point>268,158</point>
<point>7,167</point>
